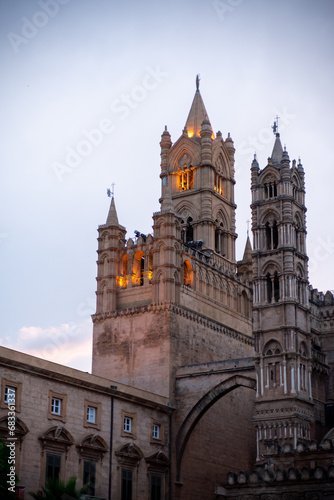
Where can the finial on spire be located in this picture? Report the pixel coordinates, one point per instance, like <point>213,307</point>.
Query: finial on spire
<point>110,192</point>
<point>275,126</point>
<point>197,81</point>
<point>247,222</point>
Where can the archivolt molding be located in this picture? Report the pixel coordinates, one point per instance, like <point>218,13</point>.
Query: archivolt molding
<point>184,147</point>
<point>220,159</point>
<point>269,216</point>
<point>186,209</point>
<point>269,174</point>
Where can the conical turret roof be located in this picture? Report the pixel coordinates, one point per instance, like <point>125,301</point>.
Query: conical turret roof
<point>248,250</point>
<point>196,115</point>
<point>276,155</point>
<point>112,218</point>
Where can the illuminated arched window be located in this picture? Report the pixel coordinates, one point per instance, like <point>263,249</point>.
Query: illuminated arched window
<point>188,274</point>
<point>219,184</point>
<point>124,270</point>
<point>138,268</point>
<point>186,180</point>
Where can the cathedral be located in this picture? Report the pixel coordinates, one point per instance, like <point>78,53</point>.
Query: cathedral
<point>211,377</point>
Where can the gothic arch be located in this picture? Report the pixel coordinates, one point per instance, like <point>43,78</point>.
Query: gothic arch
<point>298,220</point>
<point>201,407</point>
<point>185,209</point>
<point>303,350</point>
<point>269,216</point>
<point>184,159</point>
<point>185,147</point>
<point>295,180</point>
<point>270,267</point>
<point>219,154</point>
<point>272,347</point>
<point>105,234</point>
<point>220,215</point>
<point>269,174</point>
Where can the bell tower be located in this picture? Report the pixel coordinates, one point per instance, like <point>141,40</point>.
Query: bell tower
<point>197,175</point>
<point>281,318</point>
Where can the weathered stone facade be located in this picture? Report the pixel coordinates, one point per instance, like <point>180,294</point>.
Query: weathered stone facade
<point>42,434</point>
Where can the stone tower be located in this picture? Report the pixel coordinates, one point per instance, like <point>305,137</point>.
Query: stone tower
<point>197,174</point>
<point>175,298</point>
<point>281,316</point>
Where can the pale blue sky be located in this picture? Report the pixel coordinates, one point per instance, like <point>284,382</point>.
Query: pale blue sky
<point>68,65</point>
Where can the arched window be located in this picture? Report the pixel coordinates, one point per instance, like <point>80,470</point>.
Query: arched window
<point>186,180</point>
<point>124,271</point>
<point>189,230</point>
<point>271,234</point>
<point>276,287</point>
<point>269,288</point>
<point>268,236</point>
<point>138,268</point>
<point>217,240</point>
<point>219,184</point>
<point>275,235</point>
<point>188,274</point>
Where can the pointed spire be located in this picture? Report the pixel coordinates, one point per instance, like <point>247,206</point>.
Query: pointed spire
<point>197,114</point>
<point>112,219</point>
<point>248,250</point>
<point>276,155</point>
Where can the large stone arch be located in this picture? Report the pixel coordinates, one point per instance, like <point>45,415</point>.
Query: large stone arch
<point>201,407</point>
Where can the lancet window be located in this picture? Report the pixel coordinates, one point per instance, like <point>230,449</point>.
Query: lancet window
<point>186,180</point>
<point>273,288</point>
<point>219,184</point>
<point>271,231</point>
<point>270,190</point>
<point>188,274</point>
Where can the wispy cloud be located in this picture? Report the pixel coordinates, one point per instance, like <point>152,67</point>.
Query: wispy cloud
<point>67,344</point>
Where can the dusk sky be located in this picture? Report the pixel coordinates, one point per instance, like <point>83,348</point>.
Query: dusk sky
<point>87,88</point>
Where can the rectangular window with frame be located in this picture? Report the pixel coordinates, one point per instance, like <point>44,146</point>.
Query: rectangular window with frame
<point>10,394</point>
<point>156,431</point>
<point>91,414</point>
<point>126,488</point>
<point>127,424</point>
<point>89,477</point>
<point>52,471</point>
<point>56,406</point>
<point>156,487</point>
